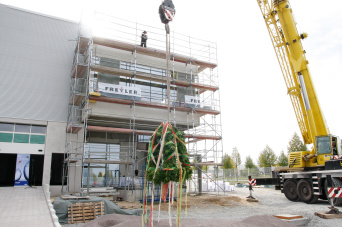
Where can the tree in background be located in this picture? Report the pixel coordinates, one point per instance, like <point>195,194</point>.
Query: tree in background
<point>236,161</point>
<point>205,168</point>
<point>100,174</point>
<point>236,157</point>
<point>295,144</point>
<point>249,162</point>
<point>283,160</point>
<point>267,157</point>
<point>227,162</point>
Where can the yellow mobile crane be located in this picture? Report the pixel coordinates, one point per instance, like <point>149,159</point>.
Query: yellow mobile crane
<point>305,178</point>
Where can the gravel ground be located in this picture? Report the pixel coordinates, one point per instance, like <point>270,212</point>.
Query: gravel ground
<point>271,202</point>
<point>234,207</point>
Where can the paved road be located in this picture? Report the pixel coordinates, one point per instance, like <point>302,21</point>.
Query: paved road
<point>21,206</point>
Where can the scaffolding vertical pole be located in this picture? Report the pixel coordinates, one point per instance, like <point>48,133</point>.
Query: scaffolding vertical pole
<point>134,160</point>
<point>88,175</point>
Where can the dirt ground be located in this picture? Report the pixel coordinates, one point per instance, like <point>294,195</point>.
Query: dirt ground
<point>204,201</point>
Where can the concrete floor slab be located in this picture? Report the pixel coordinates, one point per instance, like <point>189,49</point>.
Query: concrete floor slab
<point>24,206</point>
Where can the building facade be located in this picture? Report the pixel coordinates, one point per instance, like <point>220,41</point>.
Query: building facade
<point>35,58</point>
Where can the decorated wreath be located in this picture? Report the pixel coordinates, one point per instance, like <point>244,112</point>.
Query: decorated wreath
<point>175,158</point>
<point>167,163</point>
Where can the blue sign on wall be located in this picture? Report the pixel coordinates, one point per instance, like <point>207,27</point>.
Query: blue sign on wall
<point>22,170</point>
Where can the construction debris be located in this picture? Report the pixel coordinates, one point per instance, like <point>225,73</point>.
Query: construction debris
<point>287,216</point>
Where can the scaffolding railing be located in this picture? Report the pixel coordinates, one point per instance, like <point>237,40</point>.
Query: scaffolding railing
<point>108,26</point>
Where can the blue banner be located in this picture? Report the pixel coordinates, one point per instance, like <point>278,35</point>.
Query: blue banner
<point>22,170</point>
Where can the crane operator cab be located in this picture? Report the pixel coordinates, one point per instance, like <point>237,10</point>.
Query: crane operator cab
<point>328,148</point>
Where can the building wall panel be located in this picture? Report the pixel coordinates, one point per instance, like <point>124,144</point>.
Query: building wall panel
<point>36,55</point>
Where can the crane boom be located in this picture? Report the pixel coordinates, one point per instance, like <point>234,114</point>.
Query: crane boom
<point>287,44</point>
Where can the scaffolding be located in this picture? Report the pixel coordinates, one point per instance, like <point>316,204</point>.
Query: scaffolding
<point>119,97</point>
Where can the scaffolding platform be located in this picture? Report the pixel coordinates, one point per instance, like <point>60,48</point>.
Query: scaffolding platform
<point>151,105</point>
<point>151,77</point>
<point>79,70</point>
<point>144,132</point>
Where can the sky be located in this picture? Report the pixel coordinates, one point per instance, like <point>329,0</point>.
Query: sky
<point>256,110</point>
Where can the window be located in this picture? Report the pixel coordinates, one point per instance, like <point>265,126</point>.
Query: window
<point>107,78</point>
<point>6,137</point>
<point>6,127</point>
<point>22,128</point>
<point>37,139</point>
<point>22,133</point>
<point>21,138</point>
<point>109,62</point>
<point>38,129</point>
<point>102,174</point>
<point>323,145</point>
<point>144,138</point>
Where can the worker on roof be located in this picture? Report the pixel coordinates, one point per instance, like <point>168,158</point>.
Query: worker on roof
<point>143,39</point>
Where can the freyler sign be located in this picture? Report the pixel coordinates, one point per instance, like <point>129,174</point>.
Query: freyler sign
<point>195,100</point>
<point>119,90</point>
<point>192,100</point>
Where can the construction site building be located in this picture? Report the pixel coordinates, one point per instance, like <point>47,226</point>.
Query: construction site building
<point>119,97</point>
<point>99,95</point>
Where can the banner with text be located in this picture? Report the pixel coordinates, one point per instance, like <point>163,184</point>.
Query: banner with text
<point>119,89</point>
<point>195,100</point>
<point>192,100</point>
<point>22,170</point>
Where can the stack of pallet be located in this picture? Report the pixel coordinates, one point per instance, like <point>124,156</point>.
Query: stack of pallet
<point>84,212</point>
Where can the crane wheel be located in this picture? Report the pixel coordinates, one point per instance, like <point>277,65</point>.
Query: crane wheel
<point>306,192</point>
<point>290,190</point>
<point>335,183</point>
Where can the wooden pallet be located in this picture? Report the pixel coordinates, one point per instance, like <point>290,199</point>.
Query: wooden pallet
<point>325,215</point>
<point>84,212</point>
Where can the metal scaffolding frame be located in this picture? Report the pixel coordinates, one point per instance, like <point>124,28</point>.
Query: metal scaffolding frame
<point>93,57</point>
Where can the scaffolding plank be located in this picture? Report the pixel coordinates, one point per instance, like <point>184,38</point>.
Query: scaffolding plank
<point>72,160</point>
<point>74,129</point>
<point>150,52</point>
<point>77,99</point>
<point>97,161</point>
<point>143,132</point>
<point>151,105</point>
<point>202,137</point>
<point>151,77</point>
<point>207,164</point>
<point>79,70</point>
<point>83,45</point>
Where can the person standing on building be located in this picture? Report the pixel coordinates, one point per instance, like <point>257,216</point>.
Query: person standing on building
<point>143,39</point>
